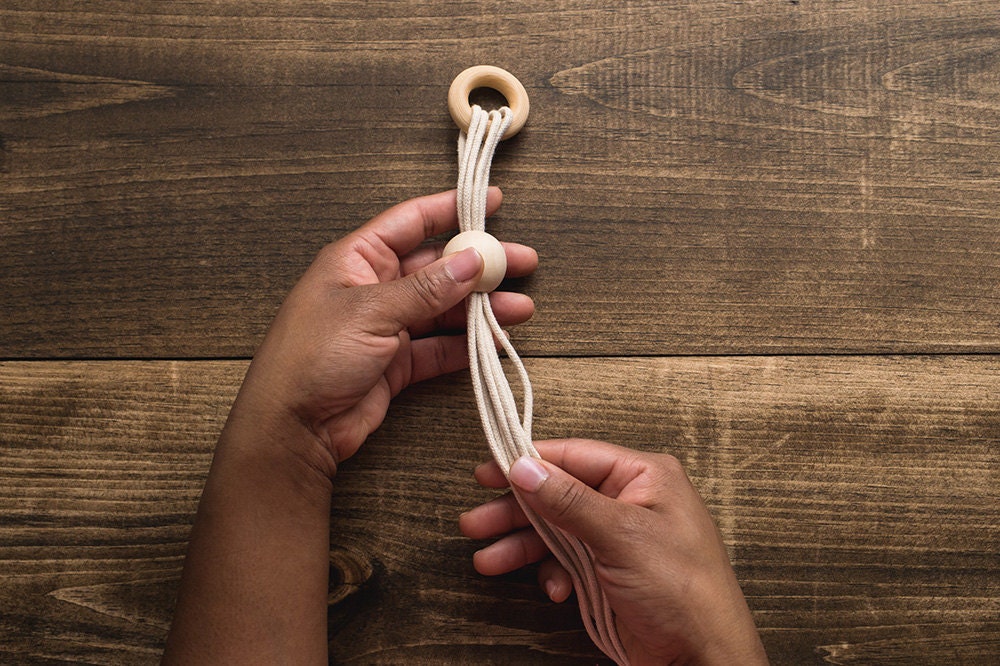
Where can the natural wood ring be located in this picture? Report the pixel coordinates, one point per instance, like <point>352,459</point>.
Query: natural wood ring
<point>487,76</point>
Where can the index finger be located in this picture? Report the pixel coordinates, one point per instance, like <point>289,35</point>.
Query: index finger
<point>405,226</point>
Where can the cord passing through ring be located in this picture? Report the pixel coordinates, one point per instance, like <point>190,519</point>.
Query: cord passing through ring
<point>488,76</point>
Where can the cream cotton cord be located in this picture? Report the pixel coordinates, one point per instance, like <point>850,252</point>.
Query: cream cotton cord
<point>508,434</point>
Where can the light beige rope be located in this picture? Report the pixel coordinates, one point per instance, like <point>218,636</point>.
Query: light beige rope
<point>508,434</point>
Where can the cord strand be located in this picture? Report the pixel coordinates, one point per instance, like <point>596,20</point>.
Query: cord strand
<point>508,434</point>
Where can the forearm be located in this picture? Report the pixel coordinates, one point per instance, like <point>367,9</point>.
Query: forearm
<point>255,580</point>
<point>371,315</point>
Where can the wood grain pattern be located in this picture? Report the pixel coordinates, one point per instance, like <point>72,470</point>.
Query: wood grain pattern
<point>715,190</point>
<point>858,496</point>
<point>710,177</point>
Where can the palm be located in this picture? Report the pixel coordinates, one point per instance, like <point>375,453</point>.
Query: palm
<point>347,350</point>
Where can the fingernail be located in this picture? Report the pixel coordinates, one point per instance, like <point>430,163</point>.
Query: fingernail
<point>550,589</point>
<point>528,474</point>
<point>464,265</point>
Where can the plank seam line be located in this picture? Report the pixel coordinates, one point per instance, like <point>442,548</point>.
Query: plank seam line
<point>776,354</point>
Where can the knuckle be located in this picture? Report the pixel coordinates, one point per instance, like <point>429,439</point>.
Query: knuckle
<point>439,354</point>
<point>427,288</point>
<point>670,467</point>
<point>568,501</point>
<point>330,257</point>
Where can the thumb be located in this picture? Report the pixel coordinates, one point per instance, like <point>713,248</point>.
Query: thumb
<point>429,292</point>
<point>567,502</point>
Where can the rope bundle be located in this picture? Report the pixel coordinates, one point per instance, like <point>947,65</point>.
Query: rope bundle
<point>508,434</point>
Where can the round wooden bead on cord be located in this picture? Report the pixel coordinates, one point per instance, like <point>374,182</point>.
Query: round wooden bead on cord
<point>489,249</point>
<point>487,76</point>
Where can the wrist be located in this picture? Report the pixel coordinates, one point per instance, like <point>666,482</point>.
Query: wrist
<point>273,437</point>
<point>730,637</point>
<point>739,647</point>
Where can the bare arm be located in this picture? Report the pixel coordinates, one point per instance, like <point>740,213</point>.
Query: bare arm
<point>255,578</point>
<point>365,321</point>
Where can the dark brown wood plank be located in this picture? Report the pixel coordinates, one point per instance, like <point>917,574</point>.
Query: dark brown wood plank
<point>707,177</point>
<point>858,496</point>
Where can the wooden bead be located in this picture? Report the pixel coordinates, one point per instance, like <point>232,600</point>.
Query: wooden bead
<point>487,76</point>
<point>491,251</point>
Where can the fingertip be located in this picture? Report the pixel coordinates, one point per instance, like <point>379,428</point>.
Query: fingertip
<point>493,560</point>
<point>557,592</point>
<point>511,307</point>
<point>522,260</point>
<point>555,581</point>
<point>511,552</point>
<point>494,197</point>
<point>464,524</point>
<point>488,475</point>
<point>481,471</point>
<point>480,563</point>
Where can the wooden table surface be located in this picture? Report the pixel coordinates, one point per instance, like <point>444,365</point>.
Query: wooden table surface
<point>769,245</point>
